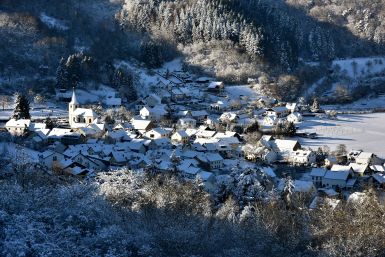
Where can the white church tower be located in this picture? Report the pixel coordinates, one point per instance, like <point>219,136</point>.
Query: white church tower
<point>72,106</point>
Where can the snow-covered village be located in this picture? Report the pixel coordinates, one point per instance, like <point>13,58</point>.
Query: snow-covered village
<point>199,129</point>
<point>196,128</point>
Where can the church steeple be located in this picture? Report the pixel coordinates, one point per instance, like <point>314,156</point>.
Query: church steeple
<point>72,106</point>
<point>74,100</point>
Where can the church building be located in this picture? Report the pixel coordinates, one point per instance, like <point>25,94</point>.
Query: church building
<point>79,117</point>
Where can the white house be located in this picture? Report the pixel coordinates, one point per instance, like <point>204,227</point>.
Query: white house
<point>294,117</point>
<point>270,120</point>
<point>155,113</point>
<point>181,137</point>
<point>17,127</point>
<point>157,133</point>
<point>79,117</point>
<point>317,175</point>
<point>283,147</point>
<point>48,158</point>
<point>338,176</point>
<point>366,158</point>
<point>216,86</point>
<point>302,157</point>
<point>335,179</point>
<point>185,123</point>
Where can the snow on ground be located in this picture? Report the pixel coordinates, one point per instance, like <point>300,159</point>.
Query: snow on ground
<point>359,132</point>
<point>146,79</point>
<point>95,95</point>
<point>19,153</point>
<point>361,104</point>
<point>52,22</point>
<point>236,92</point>
<point>174,65</point>
<point>359,67</point>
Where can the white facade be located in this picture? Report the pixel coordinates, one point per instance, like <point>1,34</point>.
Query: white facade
<point>79,117</point>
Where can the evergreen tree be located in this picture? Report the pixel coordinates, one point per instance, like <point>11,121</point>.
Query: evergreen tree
<point>315,106</point>
<point>50,123</point>
<point>62,79</point>
<point>290,129</point>
<point>151,54</point>
<point>21,110</point>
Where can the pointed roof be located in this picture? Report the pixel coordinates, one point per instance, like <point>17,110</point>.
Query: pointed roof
<point>74,100</point>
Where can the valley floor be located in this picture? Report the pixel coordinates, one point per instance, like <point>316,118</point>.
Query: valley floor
<point>357,131</point>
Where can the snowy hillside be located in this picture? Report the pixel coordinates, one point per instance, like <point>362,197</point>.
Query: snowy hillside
<point>359,67</point>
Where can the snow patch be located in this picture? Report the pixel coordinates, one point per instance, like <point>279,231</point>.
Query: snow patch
<point>53,23</point>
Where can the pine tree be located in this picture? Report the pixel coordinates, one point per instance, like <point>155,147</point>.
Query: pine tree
<point>315,106</point>
<point>62,79</point>
<point>21,110</point>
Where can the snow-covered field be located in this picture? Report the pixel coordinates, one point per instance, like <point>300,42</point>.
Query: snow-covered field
<point>359,67</point>
<point>359,132</point>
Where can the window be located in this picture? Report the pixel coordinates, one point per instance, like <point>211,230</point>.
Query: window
<point>89,120</point>
<point>54,158</point>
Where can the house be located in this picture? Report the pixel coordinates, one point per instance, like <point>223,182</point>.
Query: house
<point>48,158</point>
<point>359,169</point>
<point>283,147</point>
<point>89,162</point>
<point>302,157</point>
<point>210,161</point>
<point>18,127</point>
<point>292,107</point>
<point>66,136</point>
<point>207,134</point>
<point>180,137</point>
<point>215,87</point>
<point>157,133</point>
<point>185,123</point>
<point>177,95</point>
<point>156,113</point>
<point>79,117</point>
<point>294,117</point>
<point>142,125</point>
<point>279,111</point>
<point>338,176</point>
<point>200,116</point>
<point>335,179</point>
<point>365,158</point>
<point>270,120</point>
<point>220,106</point>
<point>317,175</point>
<point>330,161</point>
<point>229,117</point>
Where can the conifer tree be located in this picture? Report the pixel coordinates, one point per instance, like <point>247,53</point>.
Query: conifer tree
<point>21,110</point>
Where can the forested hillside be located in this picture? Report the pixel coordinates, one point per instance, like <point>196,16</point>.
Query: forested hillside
<point>230,39</point>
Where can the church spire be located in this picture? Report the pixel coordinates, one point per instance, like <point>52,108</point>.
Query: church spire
<point>74,100</point>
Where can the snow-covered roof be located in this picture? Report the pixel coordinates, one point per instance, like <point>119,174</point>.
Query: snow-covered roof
<point>337,167</point>
<point>59,132</point>
<point>182,133</point>
<point>337,175</point>
<point>215,84</point>
<point>22,123</point>
<point>357,168</point>
<point>213,157</point>
<point>365,155</point>
<point>85,112</point>
<point>379,177</point>
<point>318,172</point>
<point>140,124</point>
<point>204,175</point>
<point>74,99</point>
<point>283,145</point>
